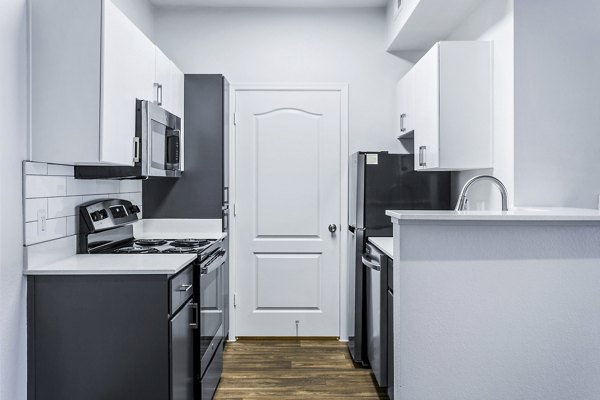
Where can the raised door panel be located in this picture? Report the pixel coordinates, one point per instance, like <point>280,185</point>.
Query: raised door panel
<point>427,110</point>
<point>287,155</point>
<point>127,75</point>
<point>288,281</point>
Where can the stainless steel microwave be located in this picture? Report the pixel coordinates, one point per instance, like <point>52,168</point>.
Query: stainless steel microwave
<point>158,147</point>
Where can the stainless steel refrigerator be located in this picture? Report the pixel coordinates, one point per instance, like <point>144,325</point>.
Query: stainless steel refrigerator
<point>380,182</point>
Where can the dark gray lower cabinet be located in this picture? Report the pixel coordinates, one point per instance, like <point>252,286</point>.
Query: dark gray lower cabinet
<point>182,352</point>
<point>100,337</point>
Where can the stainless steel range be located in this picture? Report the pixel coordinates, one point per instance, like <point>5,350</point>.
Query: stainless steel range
<point>105,227</point>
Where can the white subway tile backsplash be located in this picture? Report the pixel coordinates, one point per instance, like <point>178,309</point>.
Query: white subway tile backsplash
<point>71,225</point>
<point>32,206</point>
<point>131,185</point>
<point>80,186</point>
<point>63,206</point>
<point>35,168</point>
<point>62,170</point>
<point>51,191</point>
<point>107,186</point>
<point>45,186</point>
<point>54,229</point>
<point>90,186</point>
<point>85,199</point>
<point>136,198</point>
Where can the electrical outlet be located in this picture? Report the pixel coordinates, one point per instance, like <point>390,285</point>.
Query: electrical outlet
<point>41,221</point>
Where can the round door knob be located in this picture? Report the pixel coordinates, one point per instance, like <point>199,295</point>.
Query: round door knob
<point>332,228</point>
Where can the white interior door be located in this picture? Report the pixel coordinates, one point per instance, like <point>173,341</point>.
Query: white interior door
<point>287,194</point>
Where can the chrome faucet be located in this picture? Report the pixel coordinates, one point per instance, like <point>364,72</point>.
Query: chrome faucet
<point>461,205</point>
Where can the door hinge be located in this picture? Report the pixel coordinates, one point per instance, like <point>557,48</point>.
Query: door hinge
<point>235,118</point>
<point>234,303</point>
<point>234,211</point>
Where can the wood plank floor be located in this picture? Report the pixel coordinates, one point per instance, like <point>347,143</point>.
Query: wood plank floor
<point>293,369</point>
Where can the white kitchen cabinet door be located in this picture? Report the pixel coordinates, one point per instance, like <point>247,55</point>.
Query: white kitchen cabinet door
<point>405,116</point>
<point>427,110</point>
<point>127,75</point>
<point>177,82</point>
<point>452,99</point>
<point>163,78</point>
<point>169,94</point>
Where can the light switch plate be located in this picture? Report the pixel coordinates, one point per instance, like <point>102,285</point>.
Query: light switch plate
<point>41,221</point>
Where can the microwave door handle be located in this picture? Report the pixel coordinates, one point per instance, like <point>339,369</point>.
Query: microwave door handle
<point>173,149</point>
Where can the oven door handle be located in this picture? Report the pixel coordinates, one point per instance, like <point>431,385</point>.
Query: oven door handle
<point>207,269</point>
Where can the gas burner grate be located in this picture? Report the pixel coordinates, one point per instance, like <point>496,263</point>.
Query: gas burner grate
<point>189,243</point>
<point>180,250</point>
<point>150,242</point>
<point>136,250</point>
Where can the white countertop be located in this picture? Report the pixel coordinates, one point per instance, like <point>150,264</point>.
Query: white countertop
<point>517,214</point>
<point>385,244</point>
<point>115,264</point>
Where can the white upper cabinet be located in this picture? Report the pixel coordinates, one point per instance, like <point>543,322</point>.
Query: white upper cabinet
<point>419,24</point>
<point>127,75</point>
<point>89,64</point>
<point>405,112</point>
<point>450,111</point>
<point>168,84</point>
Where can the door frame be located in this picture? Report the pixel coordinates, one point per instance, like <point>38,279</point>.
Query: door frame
<point>342,88</point>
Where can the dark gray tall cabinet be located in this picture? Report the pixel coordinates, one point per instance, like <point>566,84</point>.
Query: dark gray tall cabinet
<point>202,192</point>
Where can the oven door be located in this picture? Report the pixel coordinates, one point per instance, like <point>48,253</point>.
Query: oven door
<point>211,307</point>
<point>164,142</point>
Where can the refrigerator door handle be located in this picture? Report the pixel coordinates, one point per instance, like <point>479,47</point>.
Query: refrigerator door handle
<point>354,229</point>
<point>371,264</point>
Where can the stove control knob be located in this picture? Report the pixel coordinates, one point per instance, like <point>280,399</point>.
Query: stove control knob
<point>99,215</point>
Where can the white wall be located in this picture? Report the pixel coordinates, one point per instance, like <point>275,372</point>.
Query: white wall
<point>140,12</point>
<point>494,21</point>
<point>557,103</point>
<point>13,148</point>
<point>294,45</point>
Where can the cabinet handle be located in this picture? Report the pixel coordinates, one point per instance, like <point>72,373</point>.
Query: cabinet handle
<point>136,151</point>
<point>159,93</point>
<point>185,287</point>
<point>402,128</point>
<point>422,159</point>
<point>194,307</point>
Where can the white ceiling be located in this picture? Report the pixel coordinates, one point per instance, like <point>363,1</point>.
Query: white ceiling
<point>270,3</point>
